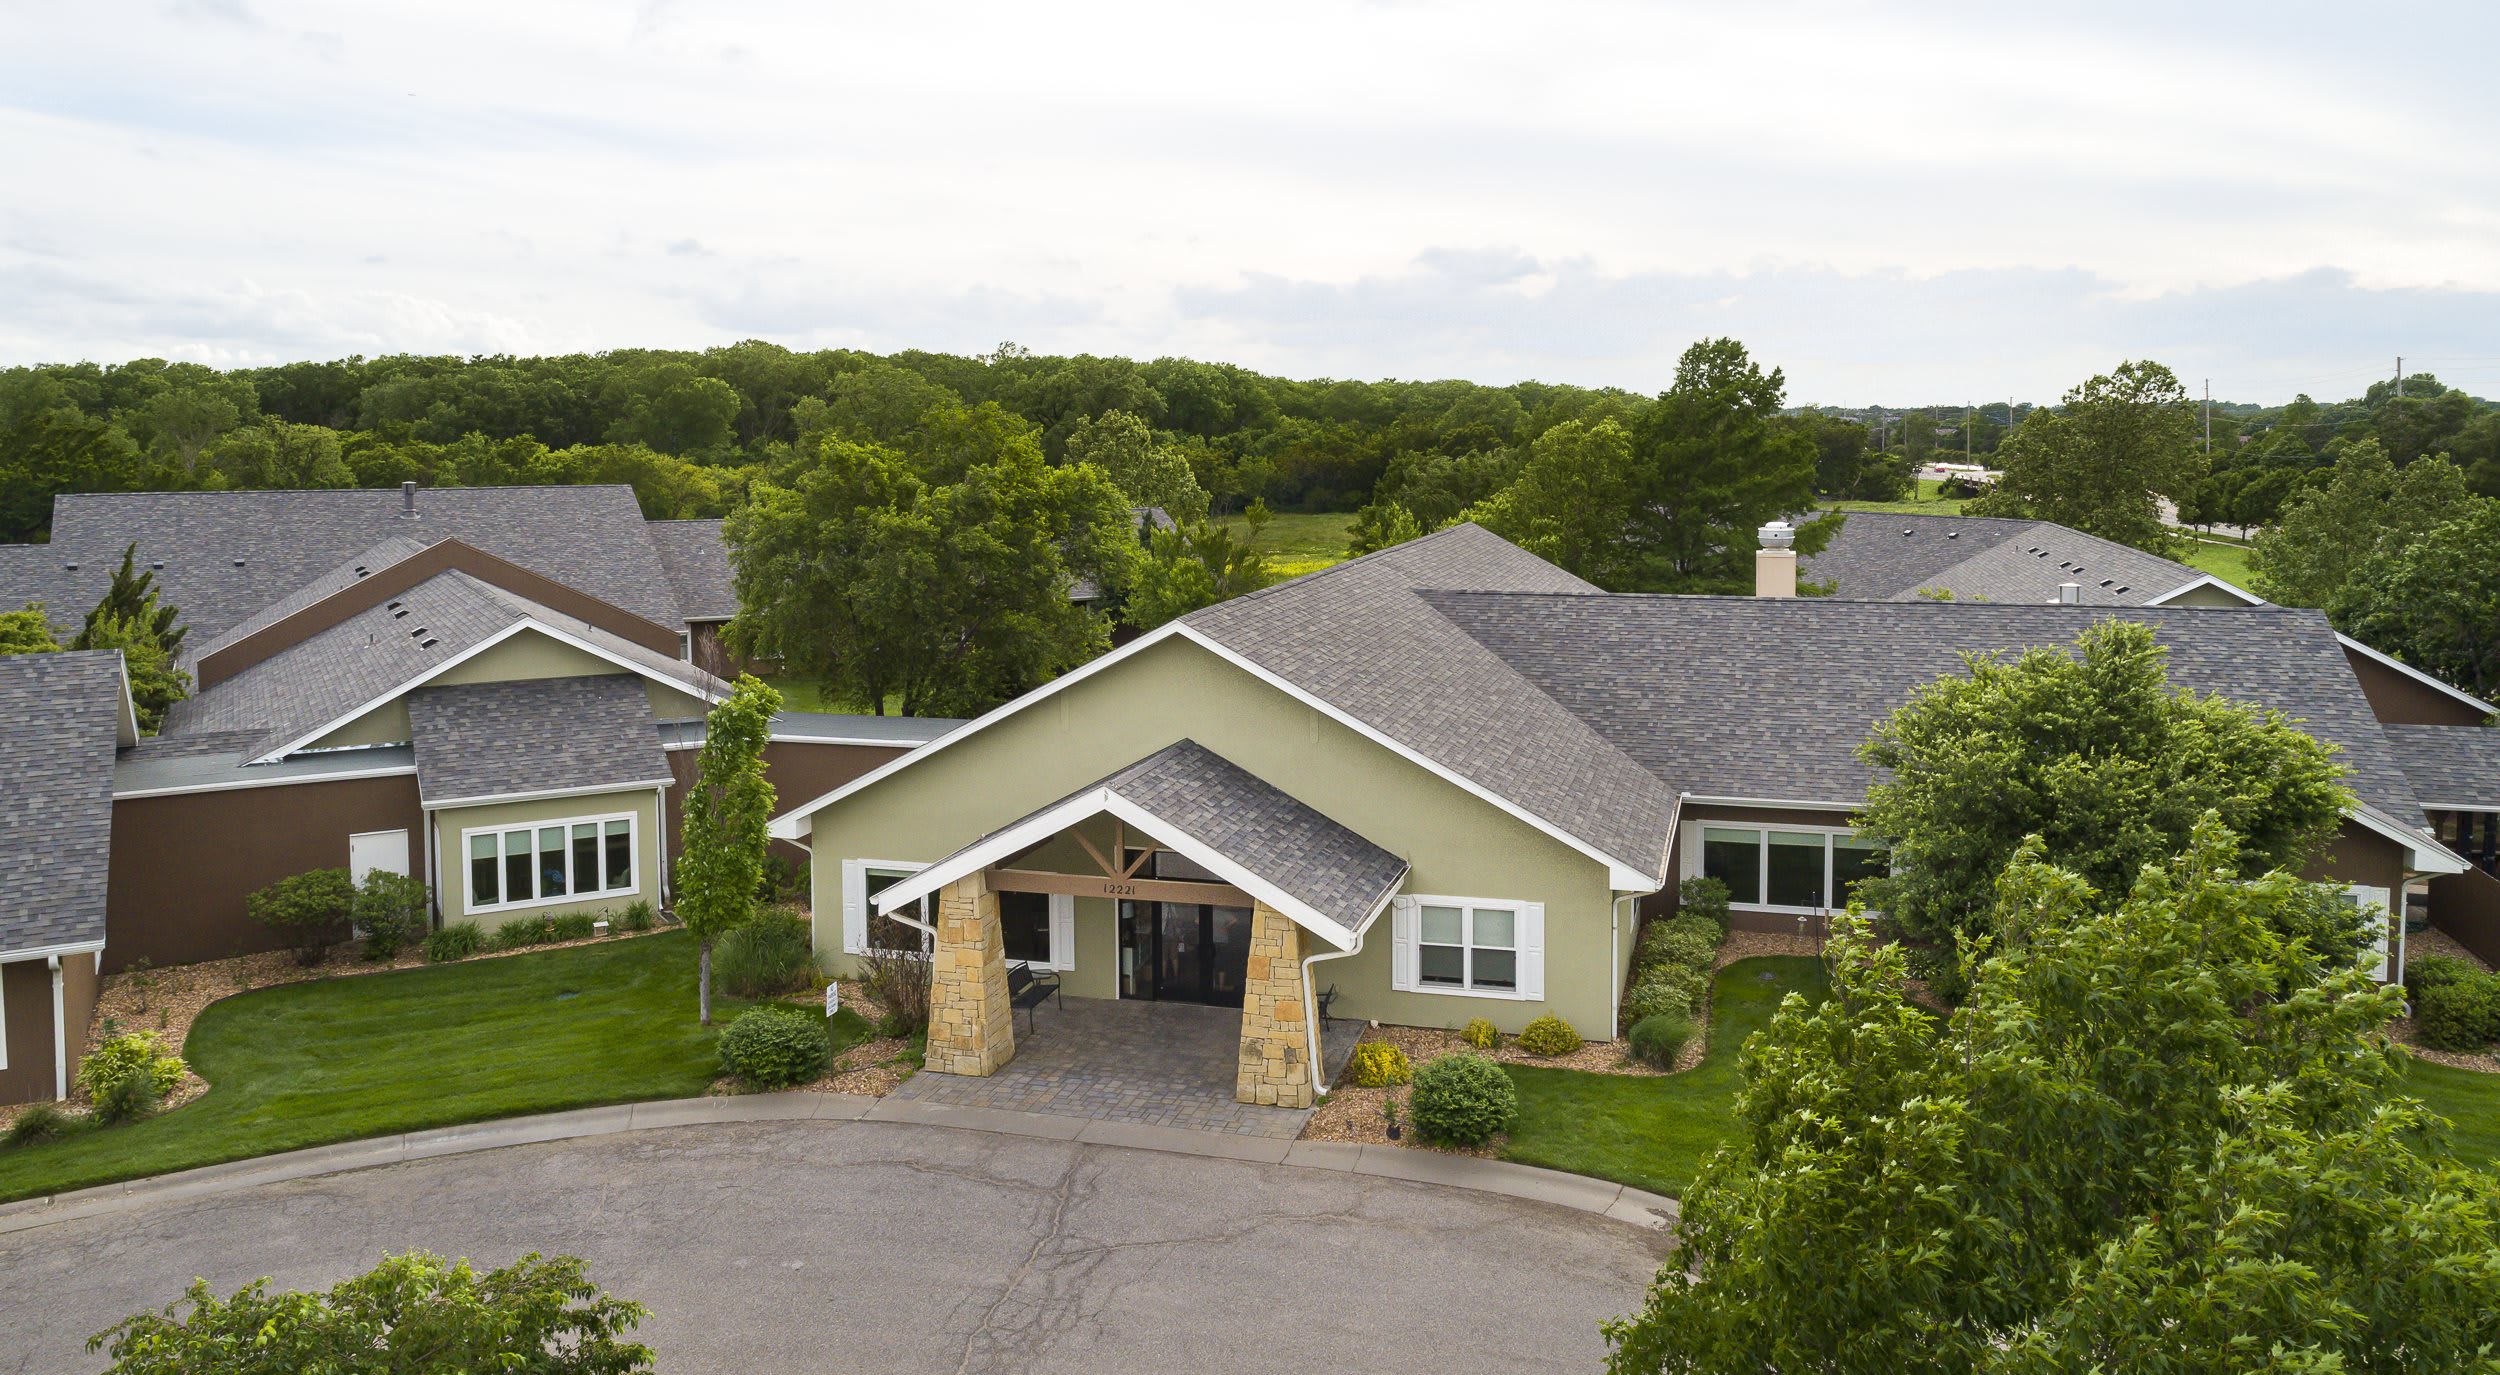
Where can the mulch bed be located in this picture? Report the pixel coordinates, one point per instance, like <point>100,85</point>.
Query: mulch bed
<point>2434,941</point>
<point>872,1068</point>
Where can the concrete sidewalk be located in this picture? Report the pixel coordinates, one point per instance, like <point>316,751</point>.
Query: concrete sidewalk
<point>1578,1192</point>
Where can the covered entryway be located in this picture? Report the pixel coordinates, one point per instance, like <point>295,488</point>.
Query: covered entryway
<point>1168,1064</point>
<point>1229,891</point>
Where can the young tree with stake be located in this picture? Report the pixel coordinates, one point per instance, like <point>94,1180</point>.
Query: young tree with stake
<point>726,810</point>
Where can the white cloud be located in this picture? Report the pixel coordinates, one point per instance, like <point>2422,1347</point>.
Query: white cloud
<point>1891,202</point>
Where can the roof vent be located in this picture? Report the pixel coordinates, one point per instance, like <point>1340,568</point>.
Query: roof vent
<point>2122,587</point>
<point>427,643</point>
<point>420,630</point>
<point>1905,534</point>
<point>158,566</point>
<point>1952,534</point>
<point>238,563</point>
<point>72,567</point>
<point>408,498</point>
<point>2107,581</point>
<point>400,615</point>
<point>361,570</point>
<point>2043,553</point>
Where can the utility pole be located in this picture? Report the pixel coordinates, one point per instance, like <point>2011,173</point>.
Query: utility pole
<point>2400,376</point>
<point>2209,419</point>
<point>1966,434</point>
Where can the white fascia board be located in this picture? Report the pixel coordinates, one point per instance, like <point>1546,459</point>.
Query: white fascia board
<point>2209,580</point>
<point>1036,829</point>
<point>786,825</point>
<point>2419,676</point>
<point>1772,803</point>
<point>126,726</point>
<point>526,623</point>
<point>2424,855</point>
<point>402,771</point>
<point>490,799</point>
<point>2461,806</point>
<point>1619,873</point>
<point>45,952</point>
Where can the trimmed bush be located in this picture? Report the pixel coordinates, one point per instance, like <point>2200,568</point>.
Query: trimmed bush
<point>1377,1065</point>
<point>2461,1015</point>
<point>522,931</point>
<point>1689,942</point>
<point>2426,972</point>
<point>388,910</point>
<point>41,1122</point>
<point>572,926</point>
<point>128,1075</point>
<point>1549,1036</point>
<point>637,916</point>
<point>1462,1100</point>
<point>775,1047</point>
<point>457,941</point>
<point>309,911</point>
<point>1662,992</point>
<point>774,953</point>
<point>1481,1034</point>
<point>1705,898</point>
<point>1658,1040</point>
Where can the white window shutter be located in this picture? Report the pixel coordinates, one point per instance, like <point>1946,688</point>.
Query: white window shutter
<point>2372,899</point>
<point>1402,943</point>
<point>1532,950</point>
<point>854,907</point>
<point>1062,931</point>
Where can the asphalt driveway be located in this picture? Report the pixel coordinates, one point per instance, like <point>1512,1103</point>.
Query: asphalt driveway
<point>804,1246</point>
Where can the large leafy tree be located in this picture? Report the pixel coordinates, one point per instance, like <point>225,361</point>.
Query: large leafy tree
<point>2103,460</point>
<point>46,452</point>
<point>1713,461</point>
<point>2434,601</point>
<point>2327,532</point>
<point>2096,754</point>
<point>27,630</point>
<point>2159,1136</point>
<point>947,597</point>
<point>276,454</point>
<point>1195,565</point>
<point>414,1314</point>
<point>720,867</point>
<point>1569,502</point>
<point>1147,471</point>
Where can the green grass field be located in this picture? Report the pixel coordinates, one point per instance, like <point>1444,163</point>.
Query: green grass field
<point>1653,1133</point>
<point>1298,544</point>
<point>1925,503</point>
<point>2228,562</point>
<point>331,1060</point>
<point>2466,1098</point>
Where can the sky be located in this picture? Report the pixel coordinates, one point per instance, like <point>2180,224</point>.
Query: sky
<point>1905,204</point>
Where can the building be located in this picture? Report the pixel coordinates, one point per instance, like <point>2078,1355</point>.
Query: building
<point>492,689</point>
<point>1444,781</point>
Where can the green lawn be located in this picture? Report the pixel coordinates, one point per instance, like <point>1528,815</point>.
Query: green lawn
<point>2228,562</point>
<point>1299,544</point>
<point>1926,503</point>
<point>338,1059</point>
<point>2469,1099</point>
<point>1653,1133</point>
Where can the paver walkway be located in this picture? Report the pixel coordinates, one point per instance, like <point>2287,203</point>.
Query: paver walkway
<point>1166,1064</point>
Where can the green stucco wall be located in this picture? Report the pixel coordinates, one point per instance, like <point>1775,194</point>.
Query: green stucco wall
<point>526,655</point>
<point>1457,844</point>
<point>453,852</point>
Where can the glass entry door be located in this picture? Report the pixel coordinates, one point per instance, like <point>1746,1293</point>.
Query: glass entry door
<point>1184,952</point>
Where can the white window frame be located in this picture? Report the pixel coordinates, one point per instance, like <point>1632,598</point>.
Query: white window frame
<point>1527,930</point>
<point>1692,867</point>
<point>855,913</point>
<point>573,893</point>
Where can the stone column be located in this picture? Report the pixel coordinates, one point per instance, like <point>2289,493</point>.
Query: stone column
<point>972,1029</point>
<point>1276,1067</point>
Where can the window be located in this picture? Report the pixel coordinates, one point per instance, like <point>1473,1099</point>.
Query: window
<point>1792,869</point>
<point>589,857</point>
<point>883,931</point>
<point>1025,919</point>
<point>1476,946</point>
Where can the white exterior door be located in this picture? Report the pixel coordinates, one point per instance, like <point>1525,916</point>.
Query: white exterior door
<point>371,850</point>
<point>2374,900</point>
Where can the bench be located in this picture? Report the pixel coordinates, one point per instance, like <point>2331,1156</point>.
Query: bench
<point>1324,998</point>
<point>1027,990</point>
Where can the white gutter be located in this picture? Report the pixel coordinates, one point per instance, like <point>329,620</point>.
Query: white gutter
<point>60,1032</point>
<point>1310,993</point>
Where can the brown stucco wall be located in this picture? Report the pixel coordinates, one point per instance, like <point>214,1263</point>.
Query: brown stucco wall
<point>800,772</point>
<point>2467,906</point>
<point>183,864</point>
<point>26,990</point>
<point>2401,701</point>
<point>80,986</point>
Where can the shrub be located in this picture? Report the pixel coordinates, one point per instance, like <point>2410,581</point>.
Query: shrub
<point>1549,1035</point>
<point>2426,972</point>
<point>1462,1100</point>
<point>1705,898</point>
<point>1658,1040</point>
<point>521,931</point>
<point>128,1100</point>
<point>388,910</point>
<point>309,911</point>
<point>41,1122</point>
<point>1481,1034</point>
<point>775,1047</point>
<point>572,926</point>
<point>1377,1065</point>
<point>1688,942</point>
<point>2463,1015</point>
<point>774,953</point>
<point>899,981</point>
<point>637,916</point>
<point>1663,992</point>
<point>456,941</point>
<point>131,1055</point>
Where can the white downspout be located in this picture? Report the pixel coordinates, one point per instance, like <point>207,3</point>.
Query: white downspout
<point>1614,976</point>
<point>60,1032</point>
<point>1310,1004</point>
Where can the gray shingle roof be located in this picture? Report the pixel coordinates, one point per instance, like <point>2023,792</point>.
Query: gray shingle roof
<point>1357,637</point>
<point>591,539</point>
<point>346,575</point>
<point>1778,692</point>
<point>697,562</point>
<point>223,760</point>
<point>60,717</point>
<point>533,735</point>
<point>2450,766</point>
<point>1894,557</point>
<point>360,660</point>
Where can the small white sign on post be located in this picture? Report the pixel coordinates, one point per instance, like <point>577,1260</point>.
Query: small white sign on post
<point>833,998</point>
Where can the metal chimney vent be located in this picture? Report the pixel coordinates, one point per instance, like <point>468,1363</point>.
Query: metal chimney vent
<point>408,498</point>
